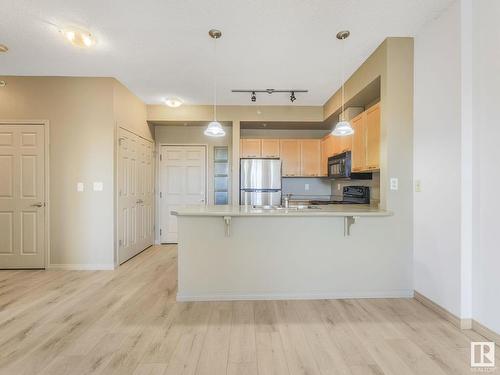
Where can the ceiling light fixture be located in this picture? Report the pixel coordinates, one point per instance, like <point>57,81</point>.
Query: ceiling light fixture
<point>3,48</point>
<point>78,37</point>
<point>174,102</point>
<point>343,127</point>
<point>253,96</point>
<point>214,129</point>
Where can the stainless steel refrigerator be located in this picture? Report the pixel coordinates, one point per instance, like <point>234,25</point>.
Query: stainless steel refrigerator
<point>260,182</point>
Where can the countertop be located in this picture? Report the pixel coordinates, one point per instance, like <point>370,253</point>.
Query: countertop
<point>341,210</point>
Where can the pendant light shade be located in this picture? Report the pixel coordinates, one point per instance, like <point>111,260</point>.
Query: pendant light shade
<point>342,128</point>
<point>214,129</point>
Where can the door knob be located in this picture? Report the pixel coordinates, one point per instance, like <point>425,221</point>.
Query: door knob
<point>140,201</point>
<point>39,205</point>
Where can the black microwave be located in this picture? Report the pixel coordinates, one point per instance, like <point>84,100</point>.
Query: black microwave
<point>339,167</point>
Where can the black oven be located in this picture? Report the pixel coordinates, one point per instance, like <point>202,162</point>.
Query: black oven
<point>339,167</point>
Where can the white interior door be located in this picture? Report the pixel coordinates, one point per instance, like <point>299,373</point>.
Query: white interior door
<point>22,196</point>
<point>182,182</point>
<point>135,194</point>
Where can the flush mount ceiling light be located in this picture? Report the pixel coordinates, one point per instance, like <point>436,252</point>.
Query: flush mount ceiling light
<point>174,102</point>
<point>343,127</point>
<point>78,37</point>
<point>253,96</point>
<point>214,129</point>
<point>3,48</point>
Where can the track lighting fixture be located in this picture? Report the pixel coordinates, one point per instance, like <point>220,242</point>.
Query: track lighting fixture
<point>253,93</point>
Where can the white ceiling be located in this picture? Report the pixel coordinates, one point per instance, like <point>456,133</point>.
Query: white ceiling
<point>161,48</point>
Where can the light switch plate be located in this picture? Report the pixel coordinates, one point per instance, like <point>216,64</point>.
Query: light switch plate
<point>80,187</point>
<point>306,187</point>
<point>394,183</point>
<point>98,186</point>
<point>418,187</point>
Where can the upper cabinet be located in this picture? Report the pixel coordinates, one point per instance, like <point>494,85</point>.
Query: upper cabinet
<point>290,153</point>
<point>364,144</point>
<point>373,137</point>
<point>327,150</point>
<point>310,157</point>
<point>358,150</point>
<point>270,148</point>
<point>250,148</point>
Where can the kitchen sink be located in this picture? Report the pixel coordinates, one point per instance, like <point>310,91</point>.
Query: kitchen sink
<point>294,207</point>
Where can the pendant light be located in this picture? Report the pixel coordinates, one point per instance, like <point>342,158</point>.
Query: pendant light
<point>343,127</point>
<point>214,129</point>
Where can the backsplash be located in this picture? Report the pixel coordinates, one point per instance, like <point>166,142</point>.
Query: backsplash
<point>319,188</point>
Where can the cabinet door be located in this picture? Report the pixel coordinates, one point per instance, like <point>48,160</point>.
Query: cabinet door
<point>250,148</point>
<point>310,157</point>
<point>373,137</point>
<point>290,157</point>
<point>270,148</point>
<point>345,143</point>
<point>327,150</point>
<point>359,143</point>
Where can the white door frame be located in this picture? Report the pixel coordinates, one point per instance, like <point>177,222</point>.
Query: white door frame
<point>158,179</point>
<point>115,183</point>
<point>46,164</point>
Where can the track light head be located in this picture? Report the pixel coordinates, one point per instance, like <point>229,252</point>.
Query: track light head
<point>292,96</point>
<point>253,97</point>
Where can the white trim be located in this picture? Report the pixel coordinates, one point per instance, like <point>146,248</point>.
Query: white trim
<point>46,125</point>
<point>181,297</point>
<point>116,156</point>
<point>82,267</point>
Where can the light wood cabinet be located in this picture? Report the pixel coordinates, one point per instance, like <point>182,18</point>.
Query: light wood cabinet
<point>366,140</point>
<point>358,124</point>
<point>250,148</point>
<point>373,137</point>
<point>345,143</point>
<point>270,148</point>
<point>310,157</point>
<point>328,145</point>
<point>290,157</point>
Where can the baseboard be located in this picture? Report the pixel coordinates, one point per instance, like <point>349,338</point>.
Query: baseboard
<point>486,332</point>
<point>442,312</point>
<point>81,267</point>
<point>184,297</point>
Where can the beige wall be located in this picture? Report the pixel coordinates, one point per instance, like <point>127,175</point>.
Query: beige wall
<point>130,112</point>
<point>82,114</point>
<point>236,112</point>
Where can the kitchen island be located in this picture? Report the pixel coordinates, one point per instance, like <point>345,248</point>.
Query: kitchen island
<point>335,251</point>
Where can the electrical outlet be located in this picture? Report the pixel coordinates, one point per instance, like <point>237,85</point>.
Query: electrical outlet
<point>98,186</point>
<point>80,187</point>
<point>306,187</point>
<point>394,183</point>
<point>338,186</point>
<point>418,187</point>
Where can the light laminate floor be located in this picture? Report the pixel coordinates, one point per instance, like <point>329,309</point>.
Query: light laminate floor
<point>128,322</point>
